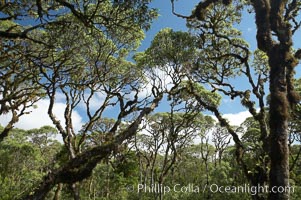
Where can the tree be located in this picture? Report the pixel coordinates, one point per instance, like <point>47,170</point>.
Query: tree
<point>198,69</point>
<point>276,23</point>
<point>78,50</point>
<point>159,149</point>
<point>221,141</point>
<point>20,29</point>
<point>26,156</point>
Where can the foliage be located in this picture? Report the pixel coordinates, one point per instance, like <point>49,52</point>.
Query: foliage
<point>77,53</point>
<point>25,159</point>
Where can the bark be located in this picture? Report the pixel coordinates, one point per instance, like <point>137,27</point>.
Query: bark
<point>279,105</point>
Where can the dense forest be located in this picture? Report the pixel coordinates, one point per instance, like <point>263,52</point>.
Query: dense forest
<point>83,55</point>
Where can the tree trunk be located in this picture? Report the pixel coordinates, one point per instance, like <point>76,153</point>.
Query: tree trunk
<point>270,19</point>
<point>279,112</point>
<point>57,193</point>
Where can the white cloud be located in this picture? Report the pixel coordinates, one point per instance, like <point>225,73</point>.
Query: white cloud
<point>39,117</point>
<point>236,119</point>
